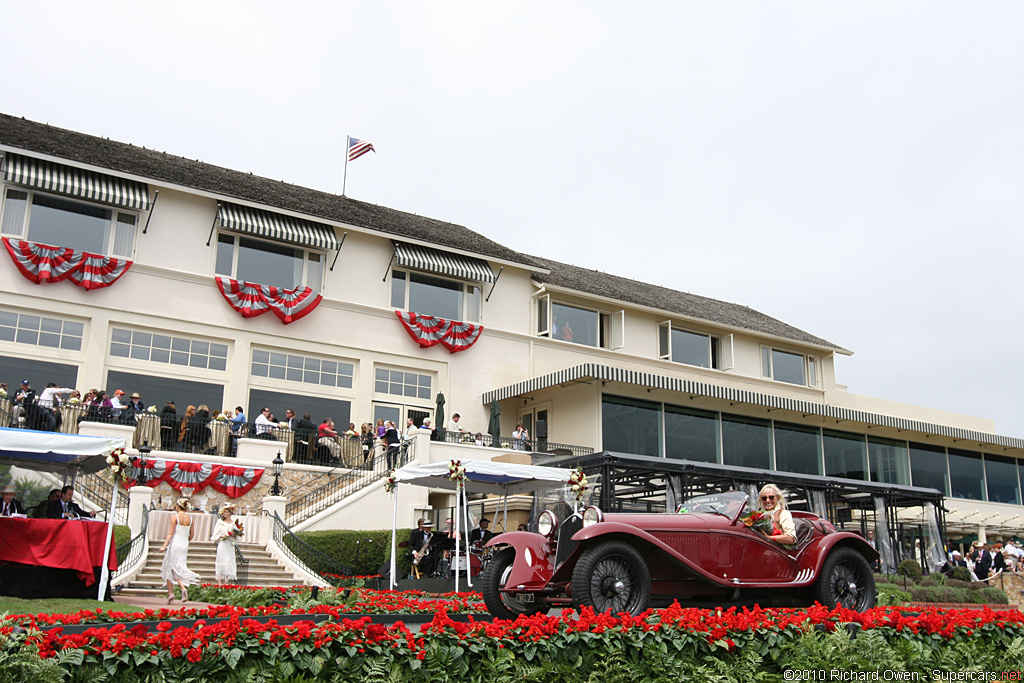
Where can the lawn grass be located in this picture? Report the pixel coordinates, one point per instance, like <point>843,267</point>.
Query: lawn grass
<point>60,606</point>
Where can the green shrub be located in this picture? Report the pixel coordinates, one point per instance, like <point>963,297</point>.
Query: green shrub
<point>364,551</point>
<point>122,534</point>
<point>911,569</point>
<point>991,595</point>
<point>960,574</point>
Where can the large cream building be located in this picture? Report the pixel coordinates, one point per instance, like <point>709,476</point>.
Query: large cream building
<point>583,358</point>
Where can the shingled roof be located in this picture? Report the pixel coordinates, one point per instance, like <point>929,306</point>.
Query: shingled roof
<point>125,158</point>
<point>681,303</point>
<point>160,166</point>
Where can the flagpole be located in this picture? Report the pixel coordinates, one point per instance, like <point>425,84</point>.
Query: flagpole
<point>344,178</point>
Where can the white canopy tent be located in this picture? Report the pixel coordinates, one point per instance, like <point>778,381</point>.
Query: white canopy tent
<point>52,451</point>
<point>481,476</point>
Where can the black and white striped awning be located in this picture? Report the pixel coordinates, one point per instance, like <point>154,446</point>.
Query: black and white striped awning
<point>66,180</point>
<point>443,262</point>
<point>607,373</point>
<point>278,226</point>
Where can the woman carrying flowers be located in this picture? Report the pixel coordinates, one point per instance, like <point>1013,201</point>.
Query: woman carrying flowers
<point>774,503</point>
<point>226,533</point>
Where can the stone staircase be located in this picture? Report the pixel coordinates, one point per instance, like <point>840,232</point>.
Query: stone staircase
<point>263,568</point>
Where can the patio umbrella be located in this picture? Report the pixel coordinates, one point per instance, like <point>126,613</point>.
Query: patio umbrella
<point>439,417</point>
<point>494,426</point>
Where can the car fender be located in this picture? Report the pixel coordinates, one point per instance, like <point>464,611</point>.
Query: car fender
<point>534,562</point>
<point>815,556</point>
<point>600,529</point>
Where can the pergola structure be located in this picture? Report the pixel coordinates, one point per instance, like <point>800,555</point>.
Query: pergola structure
<point>899,515</point>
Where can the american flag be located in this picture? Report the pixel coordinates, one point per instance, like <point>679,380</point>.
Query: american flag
<point>357,148</point>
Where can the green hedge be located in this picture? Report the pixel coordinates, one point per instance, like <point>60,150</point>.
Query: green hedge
<point>122,534</point>
<point>937,588</point>
<point>364,551</point>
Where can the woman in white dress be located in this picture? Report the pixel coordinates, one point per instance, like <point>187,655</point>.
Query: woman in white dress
<point>174,568</point>
<point>227,570</point>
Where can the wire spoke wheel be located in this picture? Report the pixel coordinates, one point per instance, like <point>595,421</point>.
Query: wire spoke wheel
<point>845,581</point>
<point>492,585</point>
<point>612,576</point>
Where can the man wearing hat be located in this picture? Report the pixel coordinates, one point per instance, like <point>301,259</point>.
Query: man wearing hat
<point>483,533</point>
<point>134,407</point>
<point>24,405</point>
<point>10,506</point>
<point>419,546</point>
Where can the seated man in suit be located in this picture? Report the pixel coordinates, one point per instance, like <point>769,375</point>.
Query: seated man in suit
<point>419,546</point>
<point>481,534</point>
<point>65,508</point>
<point>10,505</point>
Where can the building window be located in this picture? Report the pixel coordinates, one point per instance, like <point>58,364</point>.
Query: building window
<point>62,222</point>
<point>402,383</point>
<point>928,467</point>
<point>846,455</point>
<point>164,348</point>
<point>286,366</point>
<point>580,325</point>
<point>439,297</point>
<point>269,263</point>
<point>889,460</point>
<point>691,434</point>
<point>630,426</point>
<point>694,348</point>
<point>797,448</point>
<point>1001,476</point>
<point>966,475</point>
<point>792,368</point>
<point>746,441</point>
<point>52,333</point>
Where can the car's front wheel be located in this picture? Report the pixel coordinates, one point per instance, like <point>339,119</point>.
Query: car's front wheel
<point>612,576</point>
<point>845,581</point>
<point>493,580</point>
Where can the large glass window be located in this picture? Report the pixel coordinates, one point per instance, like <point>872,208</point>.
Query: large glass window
<point>689,348</point>
<point>846,455</point>
<point>1001,476</point>
<point>630,426</point>
<point>268,263</point>
<point>429,295</point>
<point>402,383</point>
<point>62,222</point>
<point>317,407</point>
<point>746,441</point>
<point>928,467</point>
<point>577,325</point>
<point>792,368</point>
<point>966,475</point>
<point>797,448</point>
<point>39,373</point>
<point>295,368</point>
<point>691,434</point>
<point>890,463</point>
<point>164,348</point>
<point>157,391</point>
<point>37,330</point>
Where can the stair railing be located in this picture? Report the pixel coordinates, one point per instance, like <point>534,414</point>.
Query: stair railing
<point>130,553</point>
<point>98,489</point>
<point>306,556</point>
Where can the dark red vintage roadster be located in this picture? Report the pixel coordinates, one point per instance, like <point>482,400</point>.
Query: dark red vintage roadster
<point>702,556</point>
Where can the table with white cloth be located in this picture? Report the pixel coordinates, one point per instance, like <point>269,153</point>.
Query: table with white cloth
<point>5,412</point>
<point>286,435</point>
<point>147,430</point>
<point>70,414</point>
<point>220,431</point>
<point>160,523</point>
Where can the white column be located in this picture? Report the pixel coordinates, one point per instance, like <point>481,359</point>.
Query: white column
<point>274,504</point>
<point>139,498</point>
<point>982,536</point>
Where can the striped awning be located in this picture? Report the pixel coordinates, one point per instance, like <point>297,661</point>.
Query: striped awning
<point>278,227</point>
<point>606,373</point>
<point>66,180</point>
<point>443,262</point>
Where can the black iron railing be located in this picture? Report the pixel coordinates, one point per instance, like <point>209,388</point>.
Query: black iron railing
<point>241,568</point>
<point>508,443</point>
<point>128,553</point>
<point>98,489</point>
<point>306,555</point>
<point>344,485</point>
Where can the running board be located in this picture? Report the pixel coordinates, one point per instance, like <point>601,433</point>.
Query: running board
<point>803,576</point>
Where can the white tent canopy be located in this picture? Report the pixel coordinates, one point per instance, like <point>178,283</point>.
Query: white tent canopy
<point>51,451</point>
<point>481,476</point>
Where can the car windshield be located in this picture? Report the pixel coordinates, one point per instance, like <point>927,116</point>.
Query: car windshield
<point>728,504</point>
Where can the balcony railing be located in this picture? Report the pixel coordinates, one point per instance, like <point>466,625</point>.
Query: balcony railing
<point>508,443</point>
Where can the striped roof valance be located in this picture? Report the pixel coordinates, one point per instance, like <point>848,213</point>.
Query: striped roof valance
<point>607,373</point>
<point>443,262</point>
<point>278,226</point>
<point>75,182</point>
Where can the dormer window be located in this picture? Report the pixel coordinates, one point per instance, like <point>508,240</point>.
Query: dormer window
<point>690,347</point>
<point>580,325</point>
<point>789,367</point>
<point>441,284</point>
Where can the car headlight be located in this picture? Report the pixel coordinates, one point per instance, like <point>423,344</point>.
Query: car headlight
<point>592,515</point>
<point>547,523</point>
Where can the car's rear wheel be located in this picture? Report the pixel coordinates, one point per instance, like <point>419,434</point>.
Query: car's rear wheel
<point>845,581</point>
<point>612,576</point>
<point>493,580</point>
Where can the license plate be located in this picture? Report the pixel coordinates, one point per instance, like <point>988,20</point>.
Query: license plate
<point>524,597</point>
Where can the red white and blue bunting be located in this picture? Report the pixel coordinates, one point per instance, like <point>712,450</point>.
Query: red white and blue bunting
<point>252,299</point>
<point>42,263</point>
<point>231,480</point>
<point>427,331</point>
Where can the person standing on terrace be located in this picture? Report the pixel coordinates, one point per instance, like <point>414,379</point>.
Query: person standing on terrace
<point>238,420</point>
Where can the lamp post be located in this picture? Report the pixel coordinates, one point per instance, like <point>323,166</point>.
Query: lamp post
<point>144,451</point>
<point>278,464</point>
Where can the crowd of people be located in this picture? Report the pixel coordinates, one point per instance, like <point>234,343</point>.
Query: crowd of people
<point>59,504</point>
<point>41,410</point>
<point>986,560</point>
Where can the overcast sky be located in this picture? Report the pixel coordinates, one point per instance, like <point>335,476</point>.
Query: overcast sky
<point>853,169</point>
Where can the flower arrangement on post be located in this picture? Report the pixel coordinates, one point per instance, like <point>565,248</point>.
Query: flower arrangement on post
<point>389,481</point>
<point>578,483</point>
<point>457,472</point>
<point>119,463</point>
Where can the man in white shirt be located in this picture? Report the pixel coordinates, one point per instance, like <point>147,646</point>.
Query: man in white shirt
<point>115,404</point>
<point>48,405</point>
<point>453,424</point>
<point>263,424</point>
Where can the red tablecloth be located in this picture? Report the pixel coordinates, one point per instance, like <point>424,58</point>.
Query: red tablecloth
<point>60,543</point>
